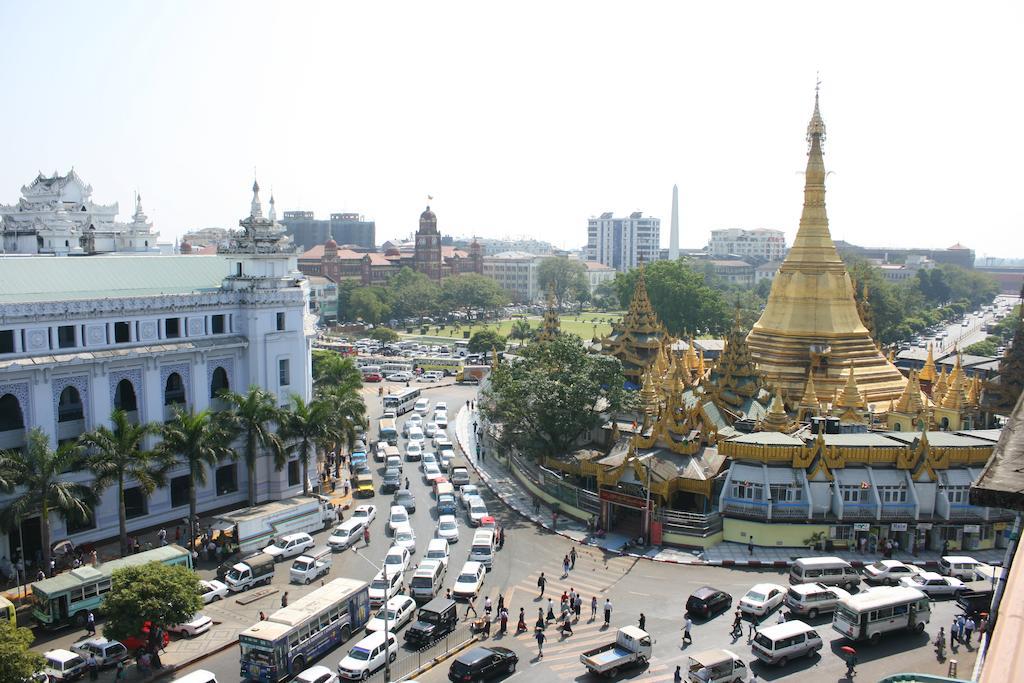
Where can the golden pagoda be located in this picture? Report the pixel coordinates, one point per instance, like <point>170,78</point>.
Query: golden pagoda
<point>637,338</point>
<point>927,373</point>
<point>850,405</point>
<point>776,420</point>
<point>810,405</point>
<point>939,387</point>
<point>551,327</point>
<point>811,321</point>
<point>736,384</point>
<point>907,414</point>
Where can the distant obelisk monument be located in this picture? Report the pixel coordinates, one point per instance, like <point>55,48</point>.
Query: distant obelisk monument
<point>673,236</point>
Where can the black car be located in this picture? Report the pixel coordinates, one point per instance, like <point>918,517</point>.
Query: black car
<point>706,601</point>
<point>406,500</point>
<point>392,481</point>
<point>483,662</point>
<point>434,620</point>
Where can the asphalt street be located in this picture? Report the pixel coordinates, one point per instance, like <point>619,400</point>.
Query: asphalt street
<point>635,586</point>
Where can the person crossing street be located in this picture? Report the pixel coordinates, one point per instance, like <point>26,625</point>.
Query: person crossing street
<point>607,611</point>
<point>572,558</point>
<point>541,582</point>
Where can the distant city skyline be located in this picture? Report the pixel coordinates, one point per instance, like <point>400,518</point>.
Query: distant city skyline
<point>343,108</point>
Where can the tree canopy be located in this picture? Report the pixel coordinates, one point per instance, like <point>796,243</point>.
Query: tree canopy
<point>470,291</point>
<point>384,334</point>
<point>681,297</point>
<point>552,395</point>
<point>162,594</point>
<point>568,278</point>
<point>17,661</point>
<point>369,304</point>
<point>484,340</point>
<point>412,294</point>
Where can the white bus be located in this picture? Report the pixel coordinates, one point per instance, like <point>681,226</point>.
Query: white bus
<point>293,636</point>
<point>876,611</point>
<point>392,366</point>
<point>449,366</point>
<point>402,401</point>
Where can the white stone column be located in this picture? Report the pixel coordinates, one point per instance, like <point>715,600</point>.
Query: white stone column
<point>200,389</point>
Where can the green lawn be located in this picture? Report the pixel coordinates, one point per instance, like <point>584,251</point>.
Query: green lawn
<point>584,326</point>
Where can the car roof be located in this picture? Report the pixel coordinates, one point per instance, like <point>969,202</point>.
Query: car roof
<point>445,518</point>
<point>705,592</point>
<point>475,655</point>
<point>471,566</point>
<point>764,587</point>
<point>931,575</point>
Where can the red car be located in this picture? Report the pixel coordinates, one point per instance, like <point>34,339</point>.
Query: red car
<point>373,377</point>
<point>136,643</point>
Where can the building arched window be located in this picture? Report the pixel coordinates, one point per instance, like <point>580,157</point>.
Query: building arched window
<point>174,390</point>
<point>945,424</point>
<point>219,382</point>
<point>69,407</point>
<point>124,397</point>
<point>11,416</point>
<point>897,427</point>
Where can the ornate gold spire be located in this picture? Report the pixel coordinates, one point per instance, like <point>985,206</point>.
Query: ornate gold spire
<point>776,420</point>
<point>910,401</point>
<point>636,339</point>
<point>812,309</point>
<point>551,327</point>
<point>939,387</point>
<point>691,356</point>
<point>735,380</point>
<point>851,396</point>
<point>809,403</point>
<point>955,397</point>
<point>701,367</point>
<point>927,373</point>
<point>649,397</point>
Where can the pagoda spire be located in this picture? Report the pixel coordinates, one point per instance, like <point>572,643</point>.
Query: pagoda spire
<point>551,326</point>
<point>637,337</point>
<point>776,420</point>
<point>955,397</point>
<point>272,211</point>
<point>910,401</point>
<point>809,403</point>
<point>851,397</point>
<point>256,209</point>
<point>940,387</point>
<point>927,373</point>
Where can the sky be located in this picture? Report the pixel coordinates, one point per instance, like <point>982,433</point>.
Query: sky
<point>527,118</point>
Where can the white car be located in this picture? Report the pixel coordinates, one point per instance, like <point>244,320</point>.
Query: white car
<point>477,510</point>
<point>399,612</point>
<point>398,558</point>
<point>196,626</point>
<point>413,450</point>
<point>762,598</point>
<point>445,458</point>
<point>448,528</point>
<point>107,652</point>
<point>345,534</point>
<point>441,406</point>
<point>212,590</point>
<point>430,429</point>
<point>399,518</point>
<point>399,377</point>
<point>384,586</point>
<point>316,674</point>
<point>933,584</point>
<point>431,470</point>
<point>405,537</point>
<point>466,492</point>
<point>441,441</point>
<point>291,545</point>
<point>889,571</point>
<point>368,655</point>
<point>427,457</point>
<point>469,581</point>
<point>459,476</point>
<point>416,436</point>
<point>437,549</point>
<point>365,513</point>
<point>441,420</point>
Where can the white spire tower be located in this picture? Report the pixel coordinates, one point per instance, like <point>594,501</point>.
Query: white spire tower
<point>272,213</point>
<point>673,235</point>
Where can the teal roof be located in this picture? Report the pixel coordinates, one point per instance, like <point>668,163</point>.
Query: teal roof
<point>87,573</point>
<point>47,278</point>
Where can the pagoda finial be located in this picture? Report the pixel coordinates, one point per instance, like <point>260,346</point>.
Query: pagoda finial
<point>927,373</point>
<point>272,211</point>
<point>256,210</point>
<point>910,401</point>
<point>810,397</point>
<point>776,420</point>
<point>851,398</point>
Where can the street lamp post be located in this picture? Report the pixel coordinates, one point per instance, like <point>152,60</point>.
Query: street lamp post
<point>384,603</point>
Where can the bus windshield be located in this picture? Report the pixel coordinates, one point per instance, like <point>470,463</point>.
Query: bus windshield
<point>256,650</point>
<point>847,615</point>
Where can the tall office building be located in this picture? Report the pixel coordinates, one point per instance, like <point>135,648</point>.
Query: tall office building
<point>622,243</point>
<point>344,228</point>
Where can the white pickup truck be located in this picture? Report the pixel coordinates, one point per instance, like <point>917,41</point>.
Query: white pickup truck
<point>631,646</point>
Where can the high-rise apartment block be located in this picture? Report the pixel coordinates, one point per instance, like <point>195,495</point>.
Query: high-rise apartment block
<point>623,243</point>
<point>344,228</point>
<point>761,244</point>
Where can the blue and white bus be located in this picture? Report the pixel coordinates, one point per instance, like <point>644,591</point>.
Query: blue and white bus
<point>401,401</point>
<point>290,638</point>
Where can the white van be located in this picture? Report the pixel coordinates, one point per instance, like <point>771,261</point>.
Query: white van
<point>437,549</point>
<point>876,611</point>
<point>345,534</point>
<point>962,567</point>
<point>311,565</point>
<point>200,676</point>
<point>828,570</point>
<point>782,643</point>
<point>368,655</point>
<point>812,599</point>
<point>289,546</point>
<point>426,581</point>
<point>422,404</point>
<point>63,665</point>
<point>482,550</point>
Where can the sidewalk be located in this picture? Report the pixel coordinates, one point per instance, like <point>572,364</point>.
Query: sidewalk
<point>495,474</point>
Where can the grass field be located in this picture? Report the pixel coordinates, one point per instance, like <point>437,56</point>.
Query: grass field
<point>584,326</point>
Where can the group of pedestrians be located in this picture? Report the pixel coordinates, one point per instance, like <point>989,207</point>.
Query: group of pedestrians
<point>963,627</point>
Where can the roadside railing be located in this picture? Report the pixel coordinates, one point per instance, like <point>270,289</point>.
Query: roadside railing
<point>404,667</point>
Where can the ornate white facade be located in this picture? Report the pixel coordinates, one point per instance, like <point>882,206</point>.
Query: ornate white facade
<point>147,334</point>
<point>56,215</point>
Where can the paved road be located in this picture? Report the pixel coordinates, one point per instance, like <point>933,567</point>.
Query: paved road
<point>634,586</point>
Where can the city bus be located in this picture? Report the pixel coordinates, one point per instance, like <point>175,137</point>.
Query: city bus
<point>340,348</point>
<point>387,431</point>
<point>401,401</point>
<point>69,596</point>
<point>870,614</point>
<point>392,367</point>
<point>7,611</point>
<point>293,636</point>
<point>449,366</point>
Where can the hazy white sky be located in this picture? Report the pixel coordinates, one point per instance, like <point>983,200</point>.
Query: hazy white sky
<point>526,118</point>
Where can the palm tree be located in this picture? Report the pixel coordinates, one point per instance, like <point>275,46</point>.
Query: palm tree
<point>308,425</point>
<point>201,441</point>
<point>250,417</point>
<point>348,411</point>
<point>40,472</point>
<point>116,455</point>
<point>334,371</point>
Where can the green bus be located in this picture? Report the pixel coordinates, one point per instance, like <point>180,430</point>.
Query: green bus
<point>68,597</point>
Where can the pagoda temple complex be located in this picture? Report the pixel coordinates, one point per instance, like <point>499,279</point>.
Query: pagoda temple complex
<point>638,338</point>
<point>812,323</point>
<point>551,326</point>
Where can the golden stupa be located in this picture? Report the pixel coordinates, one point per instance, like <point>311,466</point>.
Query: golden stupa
<point>811,321</point>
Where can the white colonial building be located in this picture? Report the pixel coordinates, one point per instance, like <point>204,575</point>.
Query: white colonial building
<point>82,336</point>
<point>56,215</point>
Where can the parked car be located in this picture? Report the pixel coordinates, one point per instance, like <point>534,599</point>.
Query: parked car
<point>196,626</point>
<point>211,591</point>
<point>483,663</point>
<point>107,652</point>
<point>889,571</point>
<point>707,601</point>
<point>934,584</point>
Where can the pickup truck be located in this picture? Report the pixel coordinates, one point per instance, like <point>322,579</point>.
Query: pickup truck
<point>631,646</point>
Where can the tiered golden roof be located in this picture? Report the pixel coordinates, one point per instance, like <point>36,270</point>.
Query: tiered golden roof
<point>939,387</point>
<point>850,405</point>
<point>811,318</point>
<point>551,327</point>
<point>910,401</point>
<point>927,373</point>
<point>636,339</point>
<point>734,380</point>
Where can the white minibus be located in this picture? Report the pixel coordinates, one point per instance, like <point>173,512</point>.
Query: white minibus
<point>876,611</point>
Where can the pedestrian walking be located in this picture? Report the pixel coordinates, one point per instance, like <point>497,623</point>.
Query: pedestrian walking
<point>487,607</point>
<point>969,627</point>
<point>781,619</point>
<point>263,615</point>
<point>90,623</point>
<point>643,622</point>
<point>607,611</point>
<point>366,535</point>
<point>121,673</point>
<point>503,616</point>
<point>448,594</point>
<point>551,610</point>
<point>954,634</point>
<point>677,677</point>
<point>687,625</point>
<point>572,558</point>
<point>578,606</point>
<point>94,667</point>
<point>541,582</point>
<point>737,625</point>
<point>565,566</point>
<point>501,603</point>
<point>750,545</point>
<point>407,482</point>
<point>540,644</point>
<point>982,627</point>
<point>284,599</point>
<point>851,666</point>
<point>593,608</point>
<point>470,607</point>
<point>162,536</point>
<point>961,622</point>
<point>521,625</point>
<point>751,629</point>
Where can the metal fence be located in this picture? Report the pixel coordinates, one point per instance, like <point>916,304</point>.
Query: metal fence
<point>404,667</point>
<point>552,483</point>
